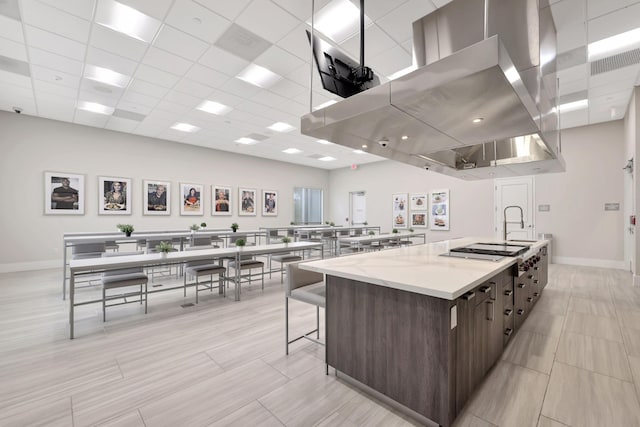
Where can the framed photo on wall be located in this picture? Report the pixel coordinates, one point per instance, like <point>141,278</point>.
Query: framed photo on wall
<point>439,210</point>
<point>418,202</point>
<point>114,196</point>
<point>247,201</point>
<point>221,197</point>
<point>419,219</point>
<point>269,203</point>
<point>63,193</point>
<point>191,202</point>
<point>156,197</point>
<point>400,209</point>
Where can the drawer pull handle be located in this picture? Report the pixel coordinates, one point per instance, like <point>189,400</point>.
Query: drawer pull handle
<point>508,292</point>
<point>536,281</point>
<point>529,299</point>
<point>508,312</point>
<point>485,289</point>
<point>508,332</point>
<point>530,276</point>
<point>522,285</point>
<point>535,294</point>
<point>536,268</point>
<point>469,296</point>
<point>521,312</point>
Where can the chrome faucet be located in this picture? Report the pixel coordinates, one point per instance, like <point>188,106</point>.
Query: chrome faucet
<point>512,222</point>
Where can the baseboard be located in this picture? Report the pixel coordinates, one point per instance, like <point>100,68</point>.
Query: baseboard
<point>590,262</point>
<point>29,266</point>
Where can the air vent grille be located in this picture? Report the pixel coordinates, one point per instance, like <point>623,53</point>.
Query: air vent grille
<point>621,60</point>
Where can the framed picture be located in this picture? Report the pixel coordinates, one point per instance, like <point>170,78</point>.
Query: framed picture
<point>439,210</point>
<point>191,202</point>
<point>246,201</point>
<point>269,203</point>
<point>115,196</point>
<point>157,197</point>
<point>221,197</point>
<point>419,219</point>
<point>63,193</point>
<point>400,210</point>
<point>418,202</point>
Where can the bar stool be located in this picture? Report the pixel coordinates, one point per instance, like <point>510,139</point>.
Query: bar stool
<point>121,278</point>
<point>283,259</point>
<point>247,262</point>
<point>206,267</point>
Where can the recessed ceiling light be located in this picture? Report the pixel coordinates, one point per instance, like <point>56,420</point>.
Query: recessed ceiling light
<point>126,20</point>
<point>614,44</point>
<point>246,141</point>
<point>281,127</point>
<point>94,107</point>
<point>572,106</point>
<point>292,151</point>
<point>326,104</point>
<point>404,137</point>
<point>339,20</point>
<point>214,108</point>
<point>358,151</point>
<point>402,72</point>
<point>106,76</point>
<point>324,141</point>
<point>185,127</point>
<point>364,146</point>
<point>326,159</point>
<point>258,76</point>
<point>478,119</point>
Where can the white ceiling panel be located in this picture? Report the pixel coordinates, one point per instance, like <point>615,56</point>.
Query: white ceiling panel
<point>279,60</point>
<point>108,95</point>
<point>11,29</point>
<point>379,8</point>
<point>574,118</point>
<point>118,43</point>
<point>110,61</point>
<point>225,98</point>
<point>376,42</point>
<point>56,62</point>
<point>240,88</point>
<point>55,76</point>
<point>302,9</point>
<point>626,73</point>
<point>164,60</point>
<point>55,21</point>
<point>56,111</point>
<point>157,8</point>
<point>193,88</point>
<point>573,86</point>
<point>90,119</point>
<point>146,88</point>
<point>611,87</point>
<point>227,9</point>
<point>180,43</point>
<point>568,12</point>
<point>297,42</point>
<point>13,49</point>
<point>614,23</point>
<point>46,87</point>
<point>597,8</point>
<point>579,72</point>
<point>156,76</point>
<point>54,43</point>
<point>397,23</point>
<point>121,125</point>
<point>173,107</point>
<point>197,20</point>
<point>259,19</point>
<point>80,8</point>
<point>390,61</point>
<point>207,76</point>
<point>572,36</point>
<point>223,61</point>
<point>183,99</point>
<point>140,99</point>
<point>15,79</point>
<point>134,108</point>
<point>287,88</point>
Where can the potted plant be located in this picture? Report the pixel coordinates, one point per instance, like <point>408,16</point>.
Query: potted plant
<point>326,223</point>
<point>127,229</point>
<point>203,225</point>
<point>371,232</point>
<point>292,223</point>
<point>235,227</point>
<point>365,223</point>
<point>332,224</point>
<point>411,230</point>
<point>286,240</point>
<point>240,243</point>
<point>164,248</point>
<point>394,231</point>
<point>194,228</point>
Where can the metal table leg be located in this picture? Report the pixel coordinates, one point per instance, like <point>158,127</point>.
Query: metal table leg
<point>71,303</point>
<point>64,270</point>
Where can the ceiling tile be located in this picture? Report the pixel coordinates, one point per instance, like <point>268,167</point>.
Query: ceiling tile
<point>228,9</point>
<point>157,8</point>
<point>110,61</point>
<point>109,94</point>
<point>302,9</point>
<point>610,88</point>
<point>156,76</point>
<point>286,87</point>
<point>225,98</point>
<point>183,99</point>
<point>10,9</point>
<point>572,86</point>
<point>55,76</point>
<point>80,8</point>
<point>614,23</point>
<point>597,8</point>
<point>567,12</point>
<point>571,58</point>
<point>376,42</point>
<point>240,88</point>
<point>163,60</point>
<point>134,107</point>
<point>390,61</point>
<point>88,118</point>
<point>260,17</point>
<point>56,62</point>
<point>121,125</point>
<point>223,61</point>
<point>574,73</point>
<point>54,43</point>
<point>51,109</point>
<point>279,61</point>
<point>12,49</point>
<point>398,23</point>
<point>242,42</point>
<point>149,89</point>
<point>42,86</point>
<point>197,20</point>
<point>193,88</point>
<point>118,43</point>
<point>297,42</point>
<point>54,20</point>
<point>15,79</point>
<point>377,9</point>
<point>180,43</point>
<point>572,36</point>
<point>140,99</point>
<point>11,29</point>
<point>207,76</point>
<point>626,73</point>
<point>574,118</point>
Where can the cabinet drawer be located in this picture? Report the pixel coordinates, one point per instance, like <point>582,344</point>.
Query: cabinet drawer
<point>507,294</point>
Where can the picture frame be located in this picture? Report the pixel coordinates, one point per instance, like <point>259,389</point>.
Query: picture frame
<point>269,203</point>
<point>221,203</point>
<point>419,202</point>
<point>419,219</point>
<point>114,195</point>
<point>400,210</point>
<point>439,202</point>
<point>156,197</point>
<point>64,193</point>
<point>247,201</point>
<point>191,199</point>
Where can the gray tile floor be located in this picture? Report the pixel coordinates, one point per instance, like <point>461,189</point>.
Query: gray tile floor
<point>576,361</point>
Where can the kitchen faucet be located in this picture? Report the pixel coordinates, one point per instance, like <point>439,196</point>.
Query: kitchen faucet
<point>512,222</point>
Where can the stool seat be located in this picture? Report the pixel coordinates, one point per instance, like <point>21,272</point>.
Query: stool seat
<point>206,269</point>
<point>312,294</point>
<point>120,280</point>
<point>286,258</point>
<point>247,263</point>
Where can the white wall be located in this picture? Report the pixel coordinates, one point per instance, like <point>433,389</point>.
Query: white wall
<point>471,203</point>
<point>29,146</point>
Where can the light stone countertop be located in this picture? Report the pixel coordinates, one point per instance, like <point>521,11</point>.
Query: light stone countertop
<point>420,268</point>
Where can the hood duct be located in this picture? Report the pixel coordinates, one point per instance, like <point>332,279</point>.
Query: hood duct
<point>480,105</point>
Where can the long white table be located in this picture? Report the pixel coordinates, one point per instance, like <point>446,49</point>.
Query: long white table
<point>98,265</point>
<point>358,241</point>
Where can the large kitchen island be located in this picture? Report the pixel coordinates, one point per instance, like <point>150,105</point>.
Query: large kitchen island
<point>421,328</point>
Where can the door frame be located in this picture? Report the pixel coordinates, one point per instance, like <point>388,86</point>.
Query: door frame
<point>351,193</point>
<point>498,182</point>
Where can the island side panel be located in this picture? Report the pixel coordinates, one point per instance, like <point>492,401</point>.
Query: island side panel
<point>396,342</point>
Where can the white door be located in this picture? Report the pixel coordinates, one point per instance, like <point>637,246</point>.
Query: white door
<point>629,230</point>
<point>358,203</point>
<point>516,195</point>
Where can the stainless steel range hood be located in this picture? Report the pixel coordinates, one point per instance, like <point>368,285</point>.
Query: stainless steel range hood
<point>492,60</point>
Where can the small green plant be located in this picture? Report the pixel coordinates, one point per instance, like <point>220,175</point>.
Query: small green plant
<point>235,227</point>
<point>164,247</point>
<point>365,223</point>
<point>371,232</point>
<point>286,239</point>
<point>411,230</point>
<point>240,243</point>
<point>333,224</point>
<point>126,228</point>
<point>194,227</point>
<point>292,223</point>
<point>395,231</point>
<point>326,222</point>
<point>203,225</point>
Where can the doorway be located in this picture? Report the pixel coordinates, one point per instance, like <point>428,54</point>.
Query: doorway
<point>629,203</point>
<point>518,193</point>
<point>358,207</point>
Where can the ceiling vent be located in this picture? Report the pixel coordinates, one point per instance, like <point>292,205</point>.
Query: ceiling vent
<point>14,66</point>
<point>614,62</point>
<point>242,42</point>
<point>257,136</point>
<point>129,115</point>
<point>315,156</point>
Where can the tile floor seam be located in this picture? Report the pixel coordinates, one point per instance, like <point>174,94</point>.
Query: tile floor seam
<point>141,417</point>
<point>595,373</point>
<point>73,421</point>
<point>591,336</point>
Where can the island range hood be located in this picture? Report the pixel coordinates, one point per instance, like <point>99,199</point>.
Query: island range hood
<point>481,104</point>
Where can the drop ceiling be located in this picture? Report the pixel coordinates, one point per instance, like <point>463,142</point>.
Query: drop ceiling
<point>196,50</point>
